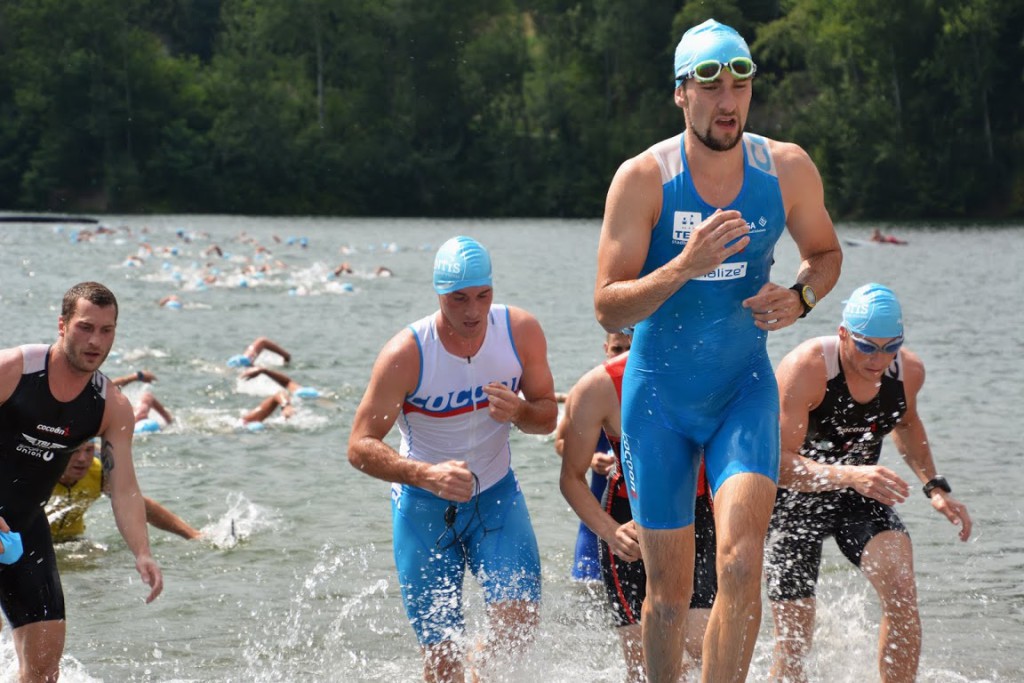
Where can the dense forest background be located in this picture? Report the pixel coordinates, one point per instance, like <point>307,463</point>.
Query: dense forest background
<point>911,108</point>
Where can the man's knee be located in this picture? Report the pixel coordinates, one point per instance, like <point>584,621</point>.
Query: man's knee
<point>668,607</point>
<point>515,621</point>
<point>739,566</point>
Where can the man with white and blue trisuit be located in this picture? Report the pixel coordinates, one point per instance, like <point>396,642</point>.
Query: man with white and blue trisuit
<point>456,381</point>
<point>685,254</point>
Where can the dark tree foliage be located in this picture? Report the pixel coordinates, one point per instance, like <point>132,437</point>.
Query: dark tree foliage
<point>489,107</point>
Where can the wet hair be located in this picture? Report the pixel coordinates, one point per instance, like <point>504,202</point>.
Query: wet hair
<point>93,292</point>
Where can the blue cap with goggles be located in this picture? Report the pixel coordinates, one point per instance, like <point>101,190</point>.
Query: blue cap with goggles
<point>708,48</point>
<point>874,311</point>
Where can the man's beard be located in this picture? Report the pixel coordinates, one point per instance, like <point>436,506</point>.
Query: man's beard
<point>73,357</point>
<point>717,145</point>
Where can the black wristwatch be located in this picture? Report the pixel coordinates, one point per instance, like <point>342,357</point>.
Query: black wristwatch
<point>807,297</point>
<point>936,482</point>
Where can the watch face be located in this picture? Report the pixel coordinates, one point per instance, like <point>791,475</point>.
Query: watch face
<point>809,296</point>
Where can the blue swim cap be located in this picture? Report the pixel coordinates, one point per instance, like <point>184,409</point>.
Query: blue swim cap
<point>12,547</point>
<point>147,426</point>
<point>307,392</point>
<point>873,311</point>
<point>239,361</point>
<point>461,262</point>
<point>710,40</point>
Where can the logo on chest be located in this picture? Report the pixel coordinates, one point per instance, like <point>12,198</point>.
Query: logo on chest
<point>39,448</point>
<point>683,223</point>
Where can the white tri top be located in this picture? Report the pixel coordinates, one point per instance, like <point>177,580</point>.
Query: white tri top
<point>446,417</point>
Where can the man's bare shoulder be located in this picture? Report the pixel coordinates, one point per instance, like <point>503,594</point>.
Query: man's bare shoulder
<point>594,385</point>
<point>11,356</point>
<point>11,367</point>
<point>401,347</point>
<point>804,364</point>
<point>641,168</point>
<point>913,369</point>
<point>526,329</point>
<point>793,164</point>
<point>520,316</point>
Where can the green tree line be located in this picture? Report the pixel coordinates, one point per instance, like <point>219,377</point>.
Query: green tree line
<point>911,109</point>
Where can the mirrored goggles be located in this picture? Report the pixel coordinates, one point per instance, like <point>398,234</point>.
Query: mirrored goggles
<point>741,68</point>
<point>865,345</point>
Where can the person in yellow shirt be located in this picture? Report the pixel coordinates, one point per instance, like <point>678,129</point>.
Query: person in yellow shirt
<point>81,485</point>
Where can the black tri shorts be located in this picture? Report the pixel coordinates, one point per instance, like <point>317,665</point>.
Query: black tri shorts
<point>626,582</point>
<point>30,589</point>
<point>800,524</point>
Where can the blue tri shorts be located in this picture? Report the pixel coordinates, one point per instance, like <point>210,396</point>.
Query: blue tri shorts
<point>666,428</point>
<point>491,534</point>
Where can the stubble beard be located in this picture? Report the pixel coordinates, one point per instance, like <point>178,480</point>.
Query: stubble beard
<point>73,355</point>
<point>716,145</point>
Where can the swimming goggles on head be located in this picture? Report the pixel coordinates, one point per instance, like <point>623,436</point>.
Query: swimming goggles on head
<point>741,69</point>
<point>865,345</point>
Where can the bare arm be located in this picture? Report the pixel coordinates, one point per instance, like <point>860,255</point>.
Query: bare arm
<point>11,367</point>
<point>821,257</point>
<point>394,376</point>
<point>261,344</point>
<point>912,442</point>
<point>140,376</point>
<point>621,297</point>
<point>536,411</point>
<point>162,518</point>
<point>801,377</point>
<point>125,496</point>
<point>279,377</point>
<point>591,405</point>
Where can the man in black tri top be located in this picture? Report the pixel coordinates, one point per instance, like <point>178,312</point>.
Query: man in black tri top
<point>840,396</point>
<point>53,399</point>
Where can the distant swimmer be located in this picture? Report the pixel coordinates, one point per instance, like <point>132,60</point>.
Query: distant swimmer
<point>685,254</point>
<point>280,399</point>
<point>383,271</point>
<point>171,301</point>
<point>878,236</point>
<point>81,485</point>
<point>841,395</point>
<point>252,352</point>
<point>52,400</point>
<point>146,404</point>
<point>456,382</point>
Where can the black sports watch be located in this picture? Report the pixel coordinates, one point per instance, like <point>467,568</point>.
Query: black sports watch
<point>936,482</point>
<point>808,299</point>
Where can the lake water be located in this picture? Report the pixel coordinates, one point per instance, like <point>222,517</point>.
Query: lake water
<point>295,580</point>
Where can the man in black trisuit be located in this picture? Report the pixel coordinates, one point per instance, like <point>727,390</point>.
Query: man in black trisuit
<point>53,399</point>
<point>840,396</point>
